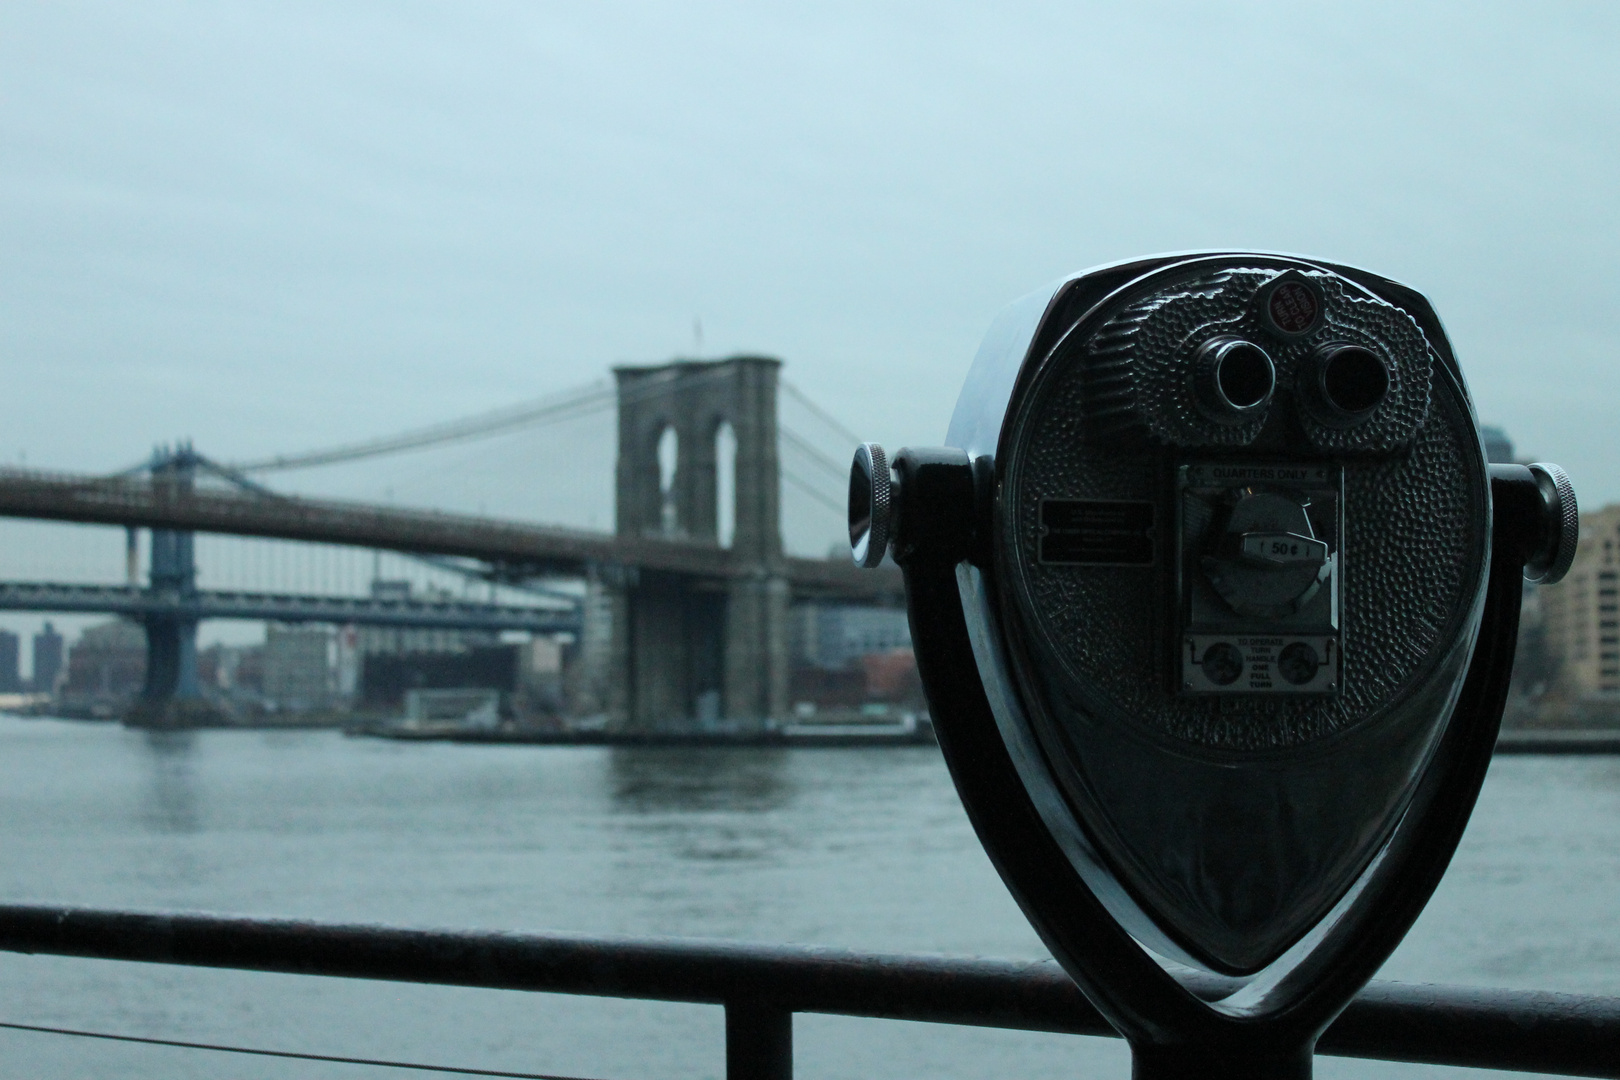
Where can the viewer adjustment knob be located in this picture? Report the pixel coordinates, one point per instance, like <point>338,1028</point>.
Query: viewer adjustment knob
<point>871,505</point>
<point>1563,529</point>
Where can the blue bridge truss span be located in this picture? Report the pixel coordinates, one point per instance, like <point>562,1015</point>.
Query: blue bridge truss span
<point>144,603</point>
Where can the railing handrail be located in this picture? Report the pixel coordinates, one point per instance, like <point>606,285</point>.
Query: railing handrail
<point>1431,1024</point>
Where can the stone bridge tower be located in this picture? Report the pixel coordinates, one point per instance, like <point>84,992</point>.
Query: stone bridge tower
<point>691,653</point>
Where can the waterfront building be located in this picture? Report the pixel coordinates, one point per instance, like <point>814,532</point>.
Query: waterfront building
<point>1581,614</point>
<point>385,678</point>
<point>48,651</point>
<point>298,666</point>
<point>10,659</point>
<point>848,655</point>
<point>233,671</point>
<point>394,640</point>
<point>834,637</point>
<point>540,678</point>
<point>105,669</point>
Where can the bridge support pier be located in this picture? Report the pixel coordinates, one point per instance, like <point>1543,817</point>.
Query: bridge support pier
<point>172,697</point>
<point>756,648</point>
<point>598,686</point>
<point>675,655</point>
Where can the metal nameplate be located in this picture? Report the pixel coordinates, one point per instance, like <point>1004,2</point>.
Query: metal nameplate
<point>1097,532</point>
<point>1233,474</point>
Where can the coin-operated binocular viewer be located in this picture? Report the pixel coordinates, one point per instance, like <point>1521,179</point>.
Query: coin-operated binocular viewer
<point>1215,597</point>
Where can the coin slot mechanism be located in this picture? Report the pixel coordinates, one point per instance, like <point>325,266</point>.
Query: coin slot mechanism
<point>1237,664</point>
<point>1258,571</point>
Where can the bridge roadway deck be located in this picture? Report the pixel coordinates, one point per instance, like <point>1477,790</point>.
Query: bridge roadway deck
<point>285,607</point>
<point>535,549</point>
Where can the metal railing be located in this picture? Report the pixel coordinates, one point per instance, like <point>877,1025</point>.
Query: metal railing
<point>762,986</point>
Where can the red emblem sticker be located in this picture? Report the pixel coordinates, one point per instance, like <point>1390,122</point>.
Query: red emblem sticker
<point>1293,307</point>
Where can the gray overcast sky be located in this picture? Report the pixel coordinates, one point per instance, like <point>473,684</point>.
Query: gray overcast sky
<point>275,226</point>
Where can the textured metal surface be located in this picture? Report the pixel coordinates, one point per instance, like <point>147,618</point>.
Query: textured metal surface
<point>1037,856</point>
<point>1135,366</point>
<point>1442,1025</point>
<point>1113,412</point>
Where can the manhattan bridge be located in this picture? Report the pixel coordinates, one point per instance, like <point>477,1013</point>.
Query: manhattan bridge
<point>682,608</point>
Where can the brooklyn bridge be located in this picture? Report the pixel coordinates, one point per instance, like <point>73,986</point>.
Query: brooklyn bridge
<point>681,610</point>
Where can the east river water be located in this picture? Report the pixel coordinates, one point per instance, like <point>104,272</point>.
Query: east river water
<point>865,849</point>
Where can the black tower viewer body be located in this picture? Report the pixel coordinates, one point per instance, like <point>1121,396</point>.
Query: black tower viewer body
<point>1214,597</point>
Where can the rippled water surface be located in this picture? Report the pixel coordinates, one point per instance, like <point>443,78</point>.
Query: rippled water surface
<point>865,849</point>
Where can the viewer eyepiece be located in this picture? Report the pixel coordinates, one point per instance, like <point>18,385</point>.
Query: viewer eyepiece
<point>1344,384</point>
<point>1232,379</point>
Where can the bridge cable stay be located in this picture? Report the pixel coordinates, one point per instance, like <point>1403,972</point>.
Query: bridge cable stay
<point>591,398</point>
<point>823,415</point>
<point>829,469</point>
<point>838,472</point>
<point>233,475</point>
<point>586,400</point>
<point>581,401</point>
<point>814,492</point>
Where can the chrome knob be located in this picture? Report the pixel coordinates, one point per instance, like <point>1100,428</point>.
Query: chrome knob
<point>871,505</point>
<point>1549,565</point>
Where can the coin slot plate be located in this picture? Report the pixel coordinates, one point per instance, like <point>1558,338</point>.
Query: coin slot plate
<point>1222,650</point>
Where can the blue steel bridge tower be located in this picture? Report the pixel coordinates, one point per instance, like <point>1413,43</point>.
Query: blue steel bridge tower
<point>171,696</point>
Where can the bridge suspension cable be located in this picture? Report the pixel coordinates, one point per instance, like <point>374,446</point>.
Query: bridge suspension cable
<point>600,395</point>
<point>593,397</point>
<point>824,416</point>
<point>585,400</point>
<point>837,472</point>
<point>831,477</point>
<point>816,493</point>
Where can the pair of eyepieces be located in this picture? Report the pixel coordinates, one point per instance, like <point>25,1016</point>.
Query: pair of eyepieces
<point>1340,384</point>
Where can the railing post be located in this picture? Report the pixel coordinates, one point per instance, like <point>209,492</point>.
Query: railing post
<point>759,1041</point>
